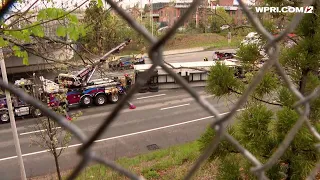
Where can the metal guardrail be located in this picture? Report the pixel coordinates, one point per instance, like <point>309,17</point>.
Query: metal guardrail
<point>155,53</point>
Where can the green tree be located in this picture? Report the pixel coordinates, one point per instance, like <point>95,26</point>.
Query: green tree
<point>218,18</point>
<point>38,32</point>
<point>260,129</point>
<point>21,29</point>
<point>50,136</point>
<point>105,30</point>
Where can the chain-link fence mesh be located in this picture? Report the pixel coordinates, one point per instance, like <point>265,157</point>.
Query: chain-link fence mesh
<point>156,55</point>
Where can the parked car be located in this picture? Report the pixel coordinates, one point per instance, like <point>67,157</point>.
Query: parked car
<point>222,55</point>
<point>125,62</point>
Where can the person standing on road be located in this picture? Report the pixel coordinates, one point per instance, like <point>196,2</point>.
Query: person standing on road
<point>214,56</point>
<point>128,81</point>
<point>127,85</point>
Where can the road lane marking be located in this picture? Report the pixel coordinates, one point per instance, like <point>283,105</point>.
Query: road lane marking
<point>31,132</point>
<point>175,106</point>
<point>151,96</point>
<point>121,136</point>
<point>139,108</point>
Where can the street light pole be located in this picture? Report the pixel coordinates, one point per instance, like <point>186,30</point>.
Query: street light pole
<point>12,119</point>
<point>151,16</point>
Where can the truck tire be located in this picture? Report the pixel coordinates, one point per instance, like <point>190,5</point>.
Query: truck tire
<point>114,98</point>
<point>153,88</point>
<point>86,101</point>
<point>4,118</point>
<point>100,99</point>
<point>143,89</point>
<point>36,112</point>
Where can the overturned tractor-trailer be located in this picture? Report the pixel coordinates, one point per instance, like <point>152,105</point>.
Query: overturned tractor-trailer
<point>195,73</point>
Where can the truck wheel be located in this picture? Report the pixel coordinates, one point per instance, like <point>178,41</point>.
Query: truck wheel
<point>36,113</point>
<point>100,99</point>
<point>113,98</point>
<point>86,101</point>
<point>154,88</point>
<point>143,89</point>
<point>4,118</point>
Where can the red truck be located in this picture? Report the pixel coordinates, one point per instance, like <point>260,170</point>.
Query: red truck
<point>85,92</point>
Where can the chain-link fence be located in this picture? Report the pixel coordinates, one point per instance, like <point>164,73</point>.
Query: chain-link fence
<point>156,55</point>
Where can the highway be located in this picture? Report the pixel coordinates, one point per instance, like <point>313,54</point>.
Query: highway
<point>192,56</point>
<point>164,118</point>
<point>185,57</point>
<point>174,58</point>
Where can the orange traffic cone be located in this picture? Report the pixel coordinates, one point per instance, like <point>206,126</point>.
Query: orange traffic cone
<point>131,106</point>
<point>67,116</point>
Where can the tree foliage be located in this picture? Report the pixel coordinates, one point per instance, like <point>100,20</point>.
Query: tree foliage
<point>50,136</point>
<point>106,30</point>
<point>22,31</point>
<point>261,129</point>
<point>218,18</point>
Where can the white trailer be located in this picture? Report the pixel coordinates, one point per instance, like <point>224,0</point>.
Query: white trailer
<point>195,73</point>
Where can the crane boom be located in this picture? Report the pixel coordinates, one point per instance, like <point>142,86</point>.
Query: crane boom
<point>85,74</point>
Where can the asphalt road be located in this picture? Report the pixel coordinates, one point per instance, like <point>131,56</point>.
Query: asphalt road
<point>191,57</point>
<point>155,121</point>
<point>185,57</point>
<point>164,118</point>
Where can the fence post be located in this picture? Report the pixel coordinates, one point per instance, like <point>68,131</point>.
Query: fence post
<point>12,119</point>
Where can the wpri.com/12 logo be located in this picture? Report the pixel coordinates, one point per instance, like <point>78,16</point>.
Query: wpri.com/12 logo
<point>308,9</point>
<point>287,9</point>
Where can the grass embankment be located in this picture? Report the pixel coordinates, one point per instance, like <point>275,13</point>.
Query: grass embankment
<point>185,41</point>
<point>166,164</point>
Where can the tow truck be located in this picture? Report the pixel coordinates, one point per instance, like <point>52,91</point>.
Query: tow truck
<point>85,92</point>
<point>78,87</point>
<point>21,108</point>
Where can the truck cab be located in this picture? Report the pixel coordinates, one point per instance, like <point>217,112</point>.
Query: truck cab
<point>20,107</point>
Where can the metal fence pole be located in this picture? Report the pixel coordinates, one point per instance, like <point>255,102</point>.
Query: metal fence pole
<point>12,119</point>
<point>152,17</point>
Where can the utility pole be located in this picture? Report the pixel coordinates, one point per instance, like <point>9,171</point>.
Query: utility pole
<point>141,10</point>
<point>197,18</point>
<point>151,16</point>
<point>12,119</point>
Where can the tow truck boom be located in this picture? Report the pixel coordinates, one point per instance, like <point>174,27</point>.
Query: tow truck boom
<point>84,75</point>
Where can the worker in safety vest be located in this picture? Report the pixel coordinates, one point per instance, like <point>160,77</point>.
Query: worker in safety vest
<point>128,81</point>
<point>215,56</point>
